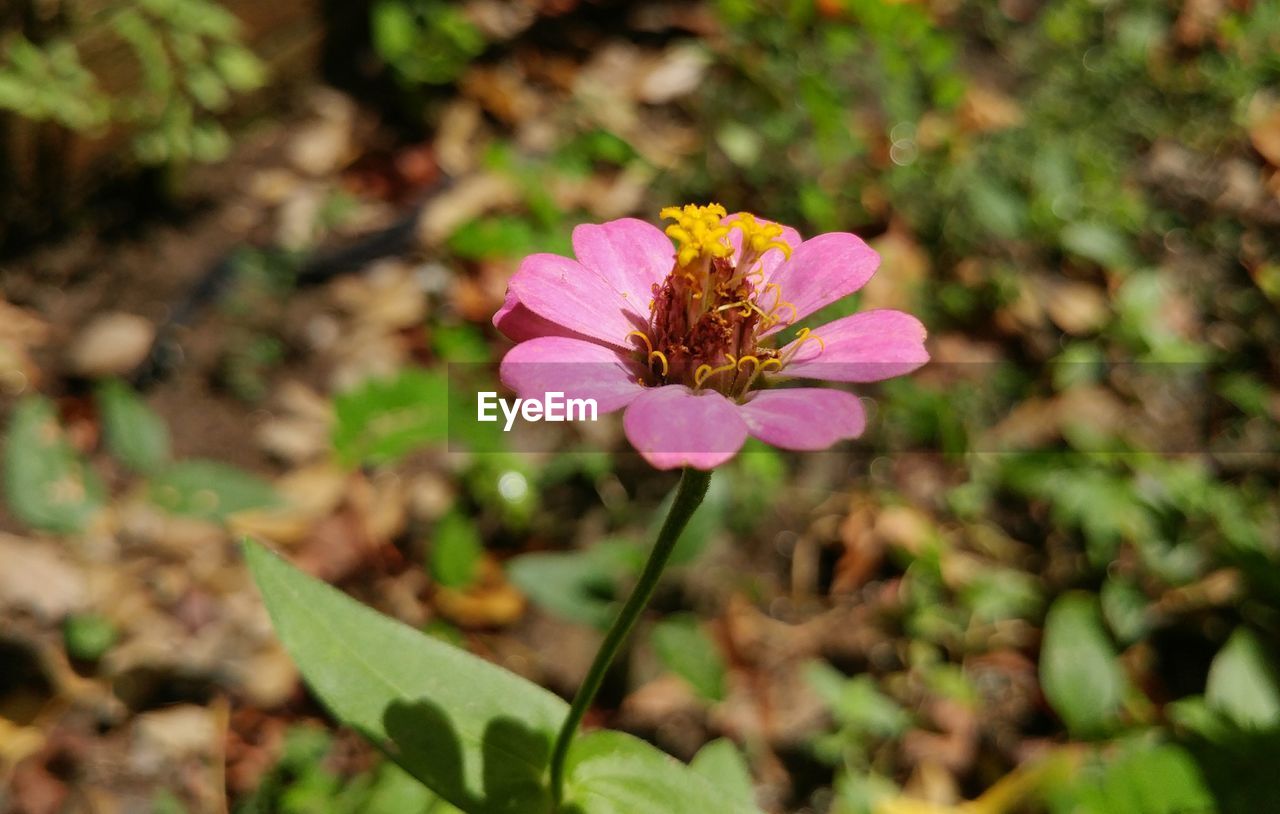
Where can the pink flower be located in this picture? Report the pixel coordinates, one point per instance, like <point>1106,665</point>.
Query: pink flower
<point>681,336</point>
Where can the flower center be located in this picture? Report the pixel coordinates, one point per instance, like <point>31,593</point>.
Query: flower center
<point>707,316</point>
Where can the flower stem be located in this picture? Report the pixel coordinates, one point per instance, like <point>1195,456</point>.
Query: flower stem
<point>689,495</point>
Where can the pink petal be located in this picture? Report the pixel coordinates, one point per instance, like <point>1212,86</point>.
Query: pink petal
<point>865,347</point>
<point>771,259</point>
<point>629,254</point>
<point>673,426</point>
<point>518,323</point>
<point>822,270</point>
<point>560,290</point>
<point>804,418</point>
<point>577,368</point>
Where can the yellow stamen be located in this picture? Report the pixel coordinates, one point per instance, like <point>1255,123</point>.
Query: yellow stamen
<point>662,357</point>
<point>705,372</point>
<point>802,336</point>
<point>644,337</point>
<point>806,334</point>
<point>697,231</point>
<point>773,312</point>
<point>758,237</point>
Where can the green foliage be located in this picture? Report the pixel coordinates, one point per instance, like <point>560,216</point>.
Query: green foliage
<point>46,484</point>
<point>724,766</point>
<point>192,65</point>
<point>863,714</point>
<point>424,41</point>
<point>1079,670</point>
<point>456,549</point>
<point>88,636</point>
<point>580,586</point>
<point>1146,777</point>
<point>504,236</point>
<point>301,782</point>
<point>209,490</point>
<point>135,435</point>
<point>383,420</point>
<point>49,84</point>
<point>1242,684</point>
<point>686,650</point>
<point>475,734</point>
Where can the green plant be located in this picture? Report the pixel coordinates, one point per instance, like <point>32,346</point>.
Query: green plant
<point>191,64</point>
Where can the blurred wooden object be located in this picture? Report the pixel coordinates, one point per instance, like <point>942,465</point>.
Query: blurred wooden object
<point>47,171</point>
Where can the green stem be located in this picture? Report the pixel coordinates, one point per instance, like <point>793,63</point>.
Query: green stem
<point>689,495</point>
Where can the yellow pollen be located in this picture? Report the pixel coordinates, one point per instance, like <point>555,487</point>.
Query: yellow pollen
<point>697,231</point>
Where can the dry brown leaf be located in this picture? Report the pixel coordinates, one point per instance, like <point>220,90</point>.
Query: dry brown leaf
<point>491,602</point>
<point>987,110</point>
<point>112,344</point>
<point>1077,308</point>
<point>458,144</point>
<point>1197,21</point>
<point>676,72</point>
<point>503,91</point>
<point>904,527</point>
<point>904,266</point>
<point>38,578</point>
<point>1264,132</point>
<point>469,198</point>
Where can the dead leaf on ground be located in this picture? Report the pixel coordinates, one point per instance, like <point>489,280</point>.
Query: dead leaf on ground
<point>466,200</point>
<point>490,602</point>
<point>1078,308</point>
<point>1197,21</point>
<point>1264,129</point>
<point>987,110</point>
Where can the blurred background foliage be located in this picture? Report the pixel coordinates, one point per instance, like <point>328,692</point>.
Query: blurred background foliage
<point>1048,578</point>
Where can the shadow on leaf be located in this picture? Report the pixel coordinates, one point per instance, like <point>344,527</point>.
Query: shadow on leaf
<point>511,779</point>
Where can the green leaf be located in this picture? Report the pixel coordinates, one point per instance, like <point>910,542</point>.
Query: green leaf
<point>1148,779</point>
<point>456,551</point>
<point>857,703</point>
<point>209,490</point>
<point>998,593</point>
<point>577,585</point>
<point>240,68</point>
<point>1101,244</point>
<point>615,773</point>
<point>1079,672</point>
<point>1125,608</point>
<point>88,636</point>
<point>722,764</point>
<point>46,484</point>
<point>134,434</point>
<point>998,209</point>
<point>384,420</point>
<point>393,29</point>
<point>475,734</point>
<point>687,651</point>
<point>1242,684</point>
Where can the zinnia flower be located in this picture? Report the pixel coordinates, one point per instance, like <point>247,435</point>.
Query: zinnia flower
<point>682,336</point>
